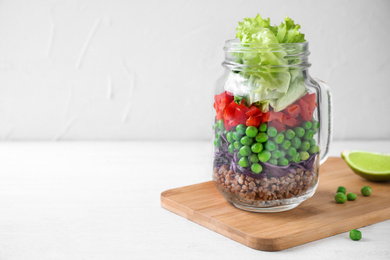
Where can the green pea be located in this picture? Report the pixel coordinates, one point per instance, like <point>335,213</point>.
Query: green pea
<point>253,158</point>
<point>340,198</point>
<point>282,161</point>
<point>264,155</point>
<point>351,196</point>
<point>256,168</point>
<point>279,138</point>
<point>282,153</point>
<point>289,134</point>
<point>257,147</point>
<point>299,131</point>
<point>243,162</point>
<point>366,191</point>
<point>217,142</point>
<point>312,142</point>
<point>229,137</point>
<point>220,124</point>
<point>296,158</point>
<point>305,146</point>
<point>263,127</point>
<point>296,142</point>
<point>307,125</point>
<point>236,136</point>
<point>308,135</point>
<point>342,189</point>
<point>246,140</point>
<point>276,154</point>
<point>314,149</point>
<point>285,145</point>
<point>269,145</point>
<point>251,131</point>
<point>245,150</point>
<point>273,161</point>
<point>261,137</point>
<point>231,148</point>
<point>304,155</point>
<point>218,135</point>
<point>355,234</point>
<point>291,151</point>
<point>237,145</point>
<point>241,129</point>
<point>272,131</point>
<point>316,126</point>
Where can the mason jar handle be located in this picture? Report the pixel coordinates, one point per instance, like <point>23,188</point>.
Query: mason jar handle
<point>325,119</point>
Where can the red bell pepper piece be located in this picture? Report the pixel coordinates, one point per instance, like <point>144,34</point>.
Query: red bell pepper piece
<point>240,118</point>
<point>229,124</point>
<point>271,116</point>
<point>310,99</point>
<point>254,111</point>
<point>293,110</point>
<point>228,112</point>
<point>305,111</point>
<point>219,115</point>
<point>291,121</point>
<point>253,121</point>
<point>222,100</point>
<point>240,115</point>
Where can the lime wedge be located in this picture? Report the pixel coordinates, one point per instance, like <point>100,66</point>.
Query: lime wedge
<point>371,166</point>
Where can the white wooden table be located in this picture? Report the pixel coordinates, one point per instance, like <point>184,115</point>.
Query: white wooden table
<point>88,200</point>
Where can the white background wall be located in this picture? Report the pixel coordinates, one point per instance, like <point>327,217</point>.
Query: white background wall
<point>125,70</point>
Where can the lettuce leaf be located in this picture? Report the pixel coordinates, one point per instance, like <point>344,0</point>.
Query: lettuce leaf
<point>288,32</point>
<point>265,78</point>
<point>265,51</point>
<point>257,29</point>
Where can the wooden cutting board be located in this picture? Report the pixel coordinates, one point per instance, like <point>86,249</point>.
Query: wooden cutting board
<point>316,218</point>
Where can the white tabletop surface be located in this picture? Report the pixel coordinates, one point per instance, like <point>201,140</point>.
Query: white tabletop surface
<point>89,200</point>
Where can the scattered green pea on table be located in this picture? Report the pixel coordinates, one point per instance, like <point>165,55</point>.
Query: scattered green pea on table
<point>351,196</point>
<point>366,191</point>
<point>355,234</point>
<point>342,189</point>
<point>340,197</point>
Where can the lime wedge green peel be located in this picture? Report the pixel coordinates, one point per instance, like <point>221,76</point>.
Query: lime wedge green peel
<point>371,166</point>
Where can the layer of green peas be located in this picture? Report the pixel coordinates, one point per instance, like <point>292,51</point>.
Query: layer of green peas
<point>265,144</point>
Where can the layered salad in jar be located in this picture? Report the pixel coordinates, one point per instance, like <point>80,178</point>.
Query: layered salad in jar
<point>265,131</point>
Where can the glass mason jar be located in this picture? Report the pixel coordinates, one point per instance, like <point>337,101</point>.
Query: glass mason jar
<point>272,126</point>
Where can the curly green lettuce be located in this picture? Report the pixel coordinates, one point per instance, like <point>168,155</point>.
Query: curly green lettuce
<point>266,78</point>
<point>288,32</point>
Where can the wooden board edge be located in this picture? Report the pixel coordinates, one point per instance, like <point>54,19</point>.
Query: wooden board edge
<point>264,244</point>
<point>282,243</point>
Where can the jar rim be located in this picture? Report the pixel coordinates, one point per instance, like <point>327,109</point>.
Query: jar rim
<point>295,55</point>
<point>237,44</point>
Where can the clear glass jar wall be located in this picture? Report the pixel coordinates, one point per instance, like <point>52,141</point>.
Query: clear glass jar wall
<point>268,127</point>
